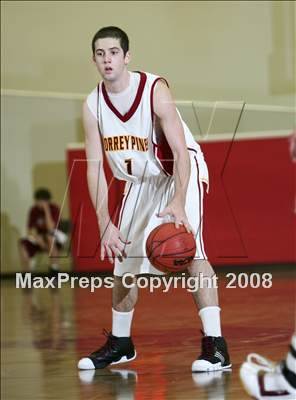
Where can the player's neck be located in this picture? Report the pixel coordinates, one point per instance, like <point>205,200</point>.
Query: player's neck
<point>120,84</point>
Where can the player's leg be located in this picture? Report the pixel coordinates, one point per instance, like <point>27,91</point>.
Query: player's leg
<point>136,219</point>
<point>119,346</point>
<point>206,297</point>
<point>53,252</point>
<point>207,294</point>
<point>123,302</point>
<point>124,298</point>
<point>214,355</point>
<point>27,250</point>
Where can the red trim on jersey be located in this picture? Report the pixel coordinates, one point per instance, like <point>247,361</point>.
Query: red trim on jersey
<point>98,109</point>
<point>200,212</point>
<point>135,105</point>
<point>191,149</point>
<point>123,203</point>
<point>162,150</point>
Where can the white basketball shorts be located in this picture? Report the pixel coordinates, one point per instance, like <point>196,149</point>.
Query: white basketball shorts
<point>138,217</point>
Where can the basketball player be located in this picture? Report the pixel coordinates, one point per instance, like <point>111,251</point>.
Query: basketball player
<point>43,219</point>
<point>131,118</point>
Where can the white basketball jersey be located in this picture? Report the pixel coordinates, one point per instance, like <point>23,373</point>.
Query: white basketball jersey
<point>134,146</point>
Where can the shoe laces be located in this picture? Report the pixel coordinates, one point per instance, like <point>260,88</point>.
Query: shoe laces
<point>109,345</point>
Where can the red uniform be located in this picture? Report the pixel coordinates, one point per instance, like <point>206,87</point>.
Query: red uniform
<point>36,220</point>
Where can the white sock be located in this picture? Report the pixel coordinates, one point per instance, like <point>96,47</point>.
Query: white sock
<point>121,323</point>
<point>210,318</point>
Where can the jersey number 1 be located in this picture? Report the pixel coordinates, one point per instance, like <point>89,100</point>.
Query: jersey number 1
<point>129,165</point>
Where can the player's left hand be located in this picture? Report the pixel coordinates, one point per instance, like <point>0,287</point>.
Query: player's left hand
<point>176,210</point>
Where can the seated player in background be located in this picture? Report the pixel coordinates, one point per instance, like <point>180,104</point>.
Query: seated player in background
<point>264,379</point>
<point>42,233</point>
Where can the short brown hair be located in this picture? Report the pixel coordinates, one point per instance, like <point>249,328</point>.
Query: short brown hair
<point>112,32</point>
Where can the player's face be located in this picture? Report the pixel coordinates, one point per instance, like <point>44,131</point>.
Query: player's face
<point>109,58</point>
<point>41,203</point>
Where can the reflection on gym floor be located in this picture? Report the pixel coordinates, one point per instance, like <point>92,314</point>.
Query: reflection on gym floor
<point>46,331</point>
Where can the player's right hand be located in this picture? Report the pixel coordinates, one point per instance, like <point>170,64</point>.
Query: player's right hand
<point>113,244</point>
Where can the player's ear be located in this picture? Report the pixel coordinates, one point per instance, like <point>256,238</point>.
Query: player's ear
<point>127,57</point>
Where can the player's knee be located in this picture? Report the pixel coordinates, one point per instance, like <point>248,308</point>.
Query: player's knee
<point>125,293</point>
<point>201,266</point>
<point>126,282</point>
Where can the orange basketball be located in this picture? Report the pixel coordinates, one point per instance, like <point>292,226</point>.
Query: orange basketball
<point>170,249</point>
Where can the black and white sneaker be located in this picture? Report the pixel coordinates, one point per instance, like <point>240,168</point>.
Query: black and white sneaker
<point>116,350</point>
<point>214,355</point>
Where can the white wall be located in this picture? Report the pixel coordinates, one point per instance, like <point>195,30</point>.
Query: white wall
<point>238,50</point>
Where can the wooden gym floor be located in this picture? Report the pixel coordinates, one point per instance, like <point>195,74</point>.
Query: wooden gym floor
<point>45,331</point>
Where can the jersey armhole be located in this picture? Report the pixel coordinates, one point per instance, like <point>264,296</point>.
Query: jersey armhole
<point>91,109</point>
<point>162,151</point>
<point>160,78</point>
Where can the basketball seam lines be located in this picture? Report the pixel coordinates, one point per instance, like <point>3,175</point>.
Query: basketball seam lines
<point>175,234</point>
<point>175,254</point>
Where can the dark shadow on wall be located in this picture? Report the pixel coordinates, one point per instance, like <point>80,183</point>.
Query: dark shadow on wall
<point>9,251</point>
<point>12,198</point>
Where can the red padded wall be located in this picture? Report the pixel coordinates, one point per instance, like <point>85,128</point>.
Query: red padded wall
<point>249,211</point>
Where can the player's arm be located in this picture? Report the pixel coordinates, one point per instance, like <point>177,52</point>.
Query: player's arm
<point>49,221</point>
<point>164,108</point>
<point>32,231</point>
<point>97,184</point>
<point>98,188</point>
